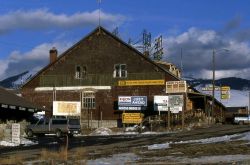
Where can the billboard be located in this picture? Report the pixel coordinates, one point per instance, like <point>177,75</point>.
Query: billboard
<point>66,108</point>
<point>175,100</point>
<point>161,103</point>
<point>176,86</point>
<point>132,118</point>
<point>132,102</point>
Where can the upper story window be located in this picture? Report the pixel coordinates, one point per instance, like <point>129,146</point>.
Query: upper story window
<point>80,72</point>
<point>120,70</point>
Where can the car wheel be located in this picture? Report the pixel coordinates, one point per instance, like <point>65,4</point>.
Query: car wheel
<point>29,133</point>
<point>58,133</point>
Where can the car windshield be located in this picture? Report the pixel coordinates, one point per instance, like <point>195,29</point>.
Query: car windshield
<point>74,121</point>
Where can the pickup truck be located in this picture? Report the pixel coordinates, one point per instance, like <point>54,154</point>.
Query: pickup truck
<point>242,119</point>
<point>57,126</point>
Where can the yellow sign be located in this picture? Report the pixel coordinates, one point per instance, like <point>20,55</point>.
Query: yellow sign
<point>225,92</point>
<point>140,82</point>
<point>134,118</point>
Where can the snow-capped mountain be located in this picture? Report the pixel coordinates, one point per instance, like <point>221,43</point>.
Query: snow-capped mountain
<point>239,93</point>
<point>14,82</point>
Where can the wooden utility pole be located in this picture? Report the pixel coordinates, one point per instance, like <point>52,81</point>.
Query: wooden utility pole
<point>169,118</point>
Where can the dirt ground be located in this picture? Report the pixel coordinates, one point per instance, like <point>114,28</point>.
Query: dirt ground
<point>176,153</point>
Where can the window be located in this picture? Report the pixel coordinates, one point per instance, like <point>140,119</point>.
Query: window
<point>120,70</point>
<point>59,121</point>
<point>88,100</point>
<point>80,72</point>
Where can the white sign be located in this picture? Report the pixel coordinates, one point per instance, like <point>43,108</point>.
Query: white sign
<point>175,100</point>
<point>175,109</point>
<point>15,133</point>
<point>66,108</point>
<point>161,103</point>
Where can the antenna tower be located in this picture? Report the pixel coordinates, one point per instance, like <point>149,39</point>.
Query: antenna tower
<point>115,32</point>
<point>158,49</point>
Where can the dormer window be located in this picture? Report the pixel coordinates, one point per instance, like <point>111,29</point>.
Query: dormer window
<point>80,71</point>
<point>120,71</point>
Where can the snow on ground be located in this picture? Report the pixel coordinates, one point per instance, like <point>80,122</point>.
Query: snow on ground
<point>242,136</point>
<point>120,159</point>
<point>24,142</point>
<point>102,131</point>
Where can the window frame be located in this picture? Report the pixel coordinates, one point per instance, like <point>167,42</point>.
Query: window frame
<point>88,100</point>
<point>80,71</point>
<point>120,71</point>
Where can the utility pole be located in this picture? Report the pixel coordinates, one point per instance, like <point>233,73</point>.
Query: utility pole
<point>213,82</point>
<point>248,103</point>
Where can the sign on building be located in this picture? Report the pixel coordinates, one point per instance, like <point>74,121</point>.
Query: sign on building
<point>132,102</point>
<point>161,103</point>
<point>225,92</point>
<point>66,108</point>
<point>210,88</point>
<point>15,128</point>
<point>176,86</point>
<point>140,82</point>
<point>132,118</point>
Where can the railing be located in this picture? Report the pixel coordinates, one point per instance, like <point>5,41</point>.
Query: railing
<point>94,79</point>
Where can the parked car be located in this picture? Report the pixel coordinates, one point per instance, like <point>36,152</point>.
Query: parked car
<point>57,126</point>
<point>242,119</point>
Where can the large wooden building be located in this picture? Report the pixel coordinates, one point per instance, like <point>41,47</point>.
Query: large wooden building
<point>96,71</point>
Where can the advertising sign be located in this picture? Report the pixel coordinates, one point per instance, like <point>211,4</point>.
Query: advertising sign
<point>176,86</point>
<point>175,100</point>
<point>225,92</point>
<point>132,101</point>
<point>15,128</point>
<point>140,82</point>
<point>175,109</point>
<point>161,103</point>
<point>66,108</point>
<point>132,118</point>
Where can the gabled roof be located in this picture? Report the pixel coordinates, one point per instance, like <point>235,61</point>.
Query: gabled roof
<point>99,29</point>
<point>11,99</point>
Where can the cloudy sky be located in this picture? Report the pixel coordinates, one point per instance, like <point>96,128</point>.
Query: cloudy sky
<point>30,28</point>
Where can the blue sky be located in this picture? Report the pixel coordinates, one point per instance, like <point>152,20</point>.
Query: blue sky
<point>29,28</point>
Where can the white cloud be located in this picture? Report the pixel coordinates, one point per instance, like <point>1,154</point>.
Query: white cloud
<point>197,46</point>
<point>32,60</point>
<point>44,19</point>
<point>3,67</point>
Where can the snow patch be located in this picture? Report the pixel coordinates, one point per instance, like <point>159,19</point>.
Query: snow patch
<point>120,159</point>
<point>24,142</point>
<point>102,131</point>
<point>244,136</point>
<point>158,146</point>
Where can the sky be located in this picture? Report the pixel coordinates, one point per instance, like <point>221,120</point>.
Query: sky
<point>30,28</point>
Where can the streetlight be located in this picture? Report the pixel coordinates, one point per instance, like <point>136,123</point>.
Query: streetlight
<point>213,82</point>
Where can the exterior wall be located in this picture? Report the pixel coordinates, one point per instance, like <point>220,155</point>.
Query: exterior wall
<point>98,52</point>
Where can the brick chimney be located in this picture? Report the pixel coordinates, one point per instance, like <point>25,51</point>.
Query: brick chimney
<point>53,55</point>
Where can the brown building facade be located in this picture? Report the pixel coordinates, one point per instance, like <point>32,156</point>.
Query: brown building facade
<point>95,71</point>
